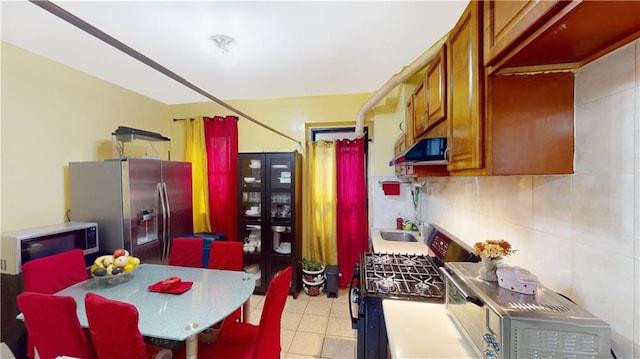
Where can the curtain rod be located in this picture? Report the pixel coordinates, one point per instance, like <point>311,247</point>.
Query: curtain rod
<point>85,26</point>
<point>190,119</point>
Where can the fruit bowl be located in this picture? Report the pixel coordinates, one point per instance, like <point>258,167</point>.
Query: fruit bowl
<point>119,263</point>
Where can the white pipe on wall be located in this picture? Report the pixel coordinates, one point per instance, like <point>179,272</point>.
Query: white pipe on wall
<point>396,80</point>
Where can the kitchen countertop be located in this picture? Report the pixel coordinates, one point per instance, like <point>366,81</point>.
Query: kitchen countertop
<point>383,246</point>
<point>418,329</point>
<point>423,330</point>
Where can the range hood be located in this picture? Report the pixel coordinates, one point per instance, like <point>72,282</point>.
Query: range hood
<point>426,152</point>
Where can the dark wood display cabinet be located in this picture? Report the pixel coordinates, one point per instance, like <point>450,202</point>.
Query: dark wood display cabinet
<point>270,215</point>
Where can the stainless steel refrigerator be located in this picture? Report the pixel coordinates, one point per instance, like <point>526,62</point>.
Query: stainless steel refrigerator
<point>139,204</point>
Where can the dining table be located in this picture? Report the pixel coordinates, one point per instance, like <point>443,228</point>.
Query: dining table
<point>213,295</point>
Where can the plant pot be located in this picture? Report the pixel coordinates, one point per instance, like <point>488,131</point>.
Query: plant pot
<point>313,276</point>
<point>313,288</point>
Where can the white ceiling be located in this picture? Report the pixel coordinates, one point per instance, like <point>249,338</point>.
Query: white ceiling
<point>281,49</point>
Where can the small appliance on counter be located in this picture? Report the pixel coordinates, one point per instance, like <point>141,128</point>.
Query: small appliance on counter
<point>502,323</point>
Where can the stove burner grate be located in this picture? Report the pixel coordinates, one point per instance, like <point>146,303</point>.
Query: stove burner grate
<point>402,276</point>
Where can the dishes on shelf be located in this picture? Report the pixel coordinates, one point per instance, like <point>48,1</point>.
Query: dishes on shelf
<point>254,164</point>
<point>252,213</point>
<point>249,179</point>
<point>283,248</point>
<point>279,166</point>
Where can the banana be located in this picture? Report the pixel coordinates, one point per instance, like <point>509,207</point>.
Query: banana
<point>99,261</point>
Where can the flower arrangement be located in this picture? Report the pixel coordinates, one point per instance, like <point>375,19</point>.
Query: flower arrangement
<point>493,248</point>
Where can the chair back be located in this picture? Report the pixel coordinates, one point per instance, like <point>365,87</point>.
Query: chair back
<point>267,344</point>
<point>53,326</point>
<point>226,255</point>
<point>39,277</point>
<point>114,328</point>
<point>52,274</point>
<point>186,252</point>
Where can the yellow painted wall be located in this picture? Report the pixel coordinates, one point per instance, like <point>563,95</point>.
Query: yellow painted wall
<point>53,115</point>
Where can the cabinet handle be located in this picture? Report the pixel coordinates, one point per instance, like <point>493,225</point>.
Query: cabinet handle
<point>446,154</point>
<point>400,126</point>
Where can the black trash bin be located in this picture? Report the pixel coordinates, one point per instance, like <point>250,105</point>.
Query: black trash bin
<point>331,286</point>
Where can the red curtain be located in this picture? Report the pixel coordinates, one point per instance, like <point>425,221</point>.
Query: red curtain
<point>221,139</point>
<point>352,227</point>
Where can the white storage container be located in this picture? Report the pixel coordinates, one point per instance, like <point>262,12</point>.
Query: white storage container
<point>517,279</point>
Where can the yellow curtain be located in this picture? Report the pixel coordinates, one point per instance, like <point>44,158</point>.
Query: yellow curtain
<point>196,153</point>
<point>320,211</point>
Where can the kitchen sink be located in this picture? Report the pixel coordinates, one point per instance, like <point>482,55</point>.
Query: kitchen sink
<point>398,236</point>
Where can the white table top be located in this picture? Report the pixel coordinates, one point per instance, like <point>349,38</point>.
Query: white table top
<point>214,295</point>
<point>423,330</point>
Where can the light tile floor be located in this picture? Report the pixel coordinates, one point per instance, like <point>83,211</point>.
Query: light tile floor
<point>313,327</point>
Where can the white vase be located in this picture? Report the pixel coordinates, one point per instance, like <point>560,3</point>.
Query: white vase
<point>489,267</point>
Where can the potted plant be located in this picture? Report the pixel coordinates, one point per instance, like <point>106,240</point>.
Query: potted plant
<point>312,276</point>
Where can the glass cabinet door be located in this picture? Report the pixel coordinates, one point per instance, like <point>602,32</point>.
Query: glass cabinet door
<point>280,194</point>
<point>280,173</point>
<point>281,239</point>
<point>251,187</point>
<point>250,214</point>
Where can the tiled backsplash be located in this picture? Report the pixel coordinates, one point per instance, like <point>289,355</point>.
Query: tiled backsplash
<point>580,234</point>
<point>389,207</point>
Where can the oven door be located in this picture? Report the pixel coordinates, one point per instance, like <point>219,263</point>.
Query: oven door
<point>367,317</point>
<point>468,313</point>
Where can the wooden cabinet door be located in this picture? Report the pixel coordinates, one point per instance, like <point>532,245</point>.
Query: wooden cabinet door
<point>466,94</point>
<point>419,108</point>
<point>408,123</point>
<point>400,145</point>
<point>505,22</point>
<point>435,79</point>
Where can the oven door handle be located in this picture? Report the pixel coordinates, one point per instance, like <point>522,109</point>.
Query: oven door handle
<point>354,295</point>
<point>469,298</point>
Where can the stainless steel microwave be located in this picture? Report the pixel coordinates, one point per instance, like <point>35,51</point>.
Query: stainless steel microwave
<point>20,246</point>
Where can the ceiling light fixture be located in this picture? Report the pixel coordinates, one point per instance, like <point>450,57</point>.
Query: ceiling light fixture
<point>223,41</point>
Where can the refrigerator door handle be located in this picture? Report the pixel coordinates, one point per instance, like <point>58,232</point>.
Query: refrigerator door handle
<point>165,245</point>
<point>166,198</point>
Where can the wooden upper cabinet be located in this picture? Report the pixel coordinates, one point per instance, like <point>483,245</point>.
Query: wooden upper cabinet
<point>466,95</point>
<point>538,36</point>
<point>400,144</point>
<point>506,22</point>
<point>435,79</point>
<point>419,108</point>
<point>532,125</point>
<point>408,121</point>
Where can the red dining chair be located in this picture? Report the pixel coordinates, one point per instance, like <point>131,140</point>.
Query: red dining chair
<point>227,256</point>
<point>52,274</point>
<point>114,330</point>
<point>248,341</point>
<point>186,252</point>
<point>53,326</point>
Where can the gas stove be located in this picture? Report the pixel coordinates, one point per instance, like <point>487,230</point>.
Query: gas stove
<point>401,276</point>
<point>381,276</point>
